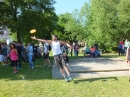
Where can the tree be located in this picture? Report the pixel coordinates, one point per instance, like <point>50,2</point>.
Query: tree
<point>43,23</point>
<point>60,29</point>
<point>70,27</point>
<point>12,9</point>
<point>104,22</point>
<point>123,9</point>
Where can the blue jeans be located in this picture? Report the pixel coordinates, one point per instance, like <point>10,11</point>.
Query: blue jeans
<point>75,53</point>
<point>95,54</point>
<point>30,57</point>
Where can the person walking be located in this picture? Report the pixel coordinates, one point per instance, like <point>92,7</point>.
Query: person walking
<point>14,57</point>
<point>58,56</point>
<point>46,55</point>
<point>29,51</point>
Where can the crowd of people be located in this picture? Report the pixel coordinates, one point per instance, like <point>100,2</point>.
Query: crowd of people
<point>74,50</point>
<point>122,47</point>
<point>93,51</point>
<point>14,53</point>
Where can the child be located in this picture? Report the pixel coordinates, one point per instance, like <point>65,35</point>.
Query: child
<point>1,58</point>
<point>14,57</point>
<point>128,59</point>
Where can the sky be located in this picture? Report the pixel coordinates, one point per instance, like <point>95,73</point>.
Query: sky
<point>63,6</point>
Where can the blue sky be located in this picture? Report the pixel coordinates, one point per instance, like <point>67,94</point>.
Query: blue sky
<point>63,6</point>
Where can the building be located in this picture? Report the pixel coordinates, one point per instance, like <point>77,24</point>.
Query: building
<point>5,35</point>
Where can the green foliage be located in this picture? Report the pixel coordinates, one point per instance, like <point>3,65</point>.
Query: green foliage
<point>23,15</point>
<point>2,41</point>
<point>124,18</point>
<point>13,36</point>
<point>104,21</point>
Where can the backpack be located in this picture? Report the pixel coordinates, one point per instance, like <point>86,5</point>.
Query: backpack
<point>48,47</point>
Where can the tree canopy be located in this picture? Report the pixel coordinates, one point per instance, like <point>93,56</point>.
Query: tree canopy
<point>104,21</point>
<point>23,15</point>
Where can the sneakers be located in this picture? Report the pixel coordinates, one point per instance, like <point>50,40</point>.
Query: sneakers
<point>6,65</point>
<point>32,67</point>
<point>70,78</point>
<point>18,67</point>
<point>44,66</point>
<point>15,71</point>
<point>49,66</point>
<point>66,79</point>
<point>29,67</point>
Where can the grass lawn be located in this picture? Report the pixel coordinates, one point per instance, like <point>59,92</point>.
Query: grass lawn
<point>38,83</point>
<point>113,56</point>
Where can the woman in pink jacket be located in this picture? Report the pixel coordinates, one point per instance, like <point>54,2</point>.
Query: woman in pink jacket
<point>14,57</point>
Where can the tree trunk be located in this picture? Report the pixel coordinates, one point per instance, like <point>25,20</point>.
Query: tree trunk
<point>18,37</point>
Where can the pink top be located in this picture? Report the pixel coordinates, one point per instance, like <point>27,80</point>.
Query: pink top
<point>92,49</point>
<point>14,55</point>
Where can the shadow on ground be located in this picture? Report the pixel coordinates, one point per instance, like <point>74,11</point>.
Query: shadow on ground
<point>25,73</point>
<point>103,79</point>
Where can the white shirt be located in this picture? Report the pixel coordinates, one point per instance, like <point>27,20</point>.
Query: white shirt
<point>56,48</point>
<point>45,47</point>
<point>39,49</point>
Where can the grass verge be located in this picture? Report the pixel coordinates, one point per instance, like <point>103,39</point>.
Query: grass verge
<point>38,82</point>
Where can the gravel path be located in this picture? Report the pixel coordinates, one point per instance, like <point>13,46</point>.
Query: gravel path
<point>94,64</point>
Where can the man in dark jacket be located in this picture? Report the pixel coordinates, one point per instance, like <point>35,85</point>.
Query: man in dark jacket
<point>19,49</point>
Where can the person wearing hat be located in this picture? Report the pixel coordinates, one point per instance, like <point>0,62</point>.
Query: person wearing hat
<point>58,56</point>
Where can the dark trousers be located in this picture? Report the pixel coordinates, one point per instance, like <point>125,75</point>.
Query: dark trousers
<point>14,63</point>
<point>77,52</point>
<point>71,52</point>
<point>19,61</point>
<point>120,51</point>
<point>35,54</point>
